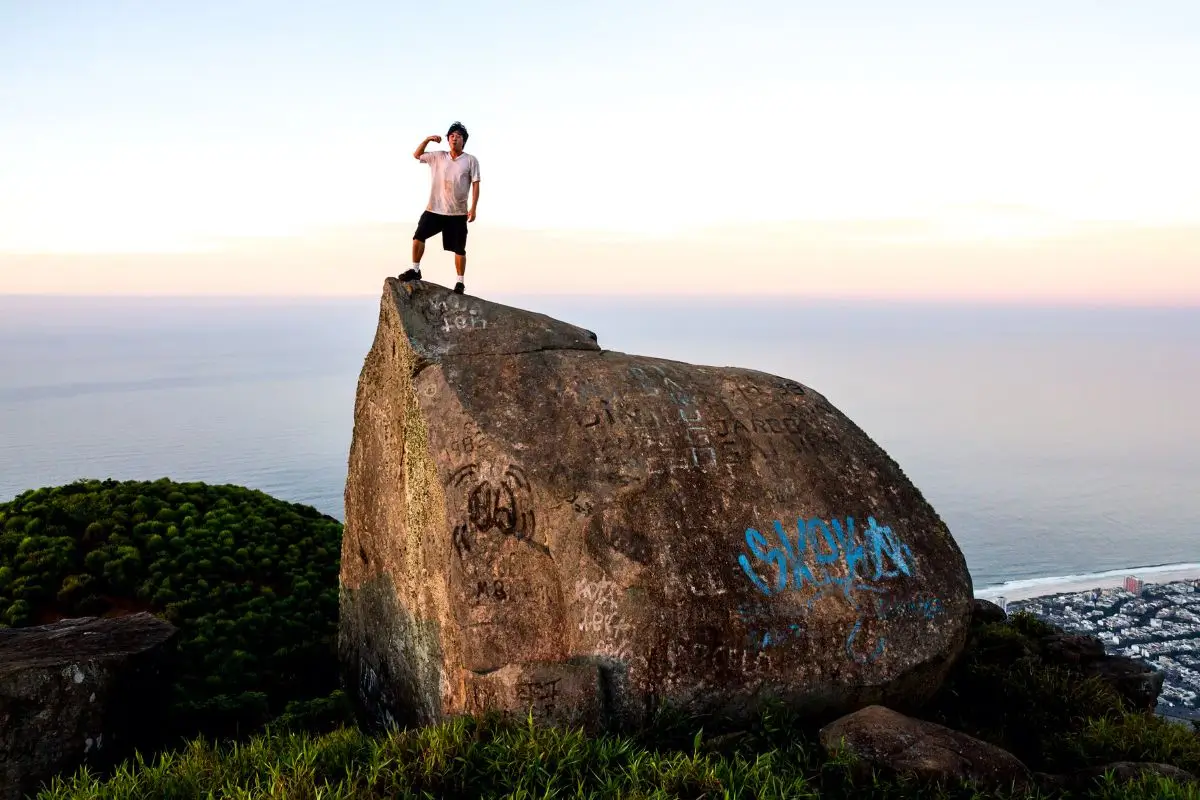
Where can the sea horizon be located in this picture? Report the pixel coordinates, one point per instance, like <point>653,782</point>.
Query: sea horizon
<point>1057,442</point>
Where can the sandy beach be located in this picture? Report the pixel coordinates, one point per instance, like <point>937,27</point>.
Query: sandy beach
<point>1113,579</point>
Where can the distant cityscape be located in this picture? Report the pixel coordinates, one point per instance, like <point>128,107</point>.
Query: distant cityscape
<point>1155,623</point>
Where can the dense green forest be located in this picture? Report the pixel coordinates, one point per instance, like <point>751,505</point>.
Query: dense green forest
<point>250,581</point>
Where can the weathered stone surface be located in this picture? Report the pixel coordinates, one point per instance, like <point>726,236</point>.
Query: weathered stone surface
<point>559,692</point>
<point>708,537</point>
<point>985,611</point>
<point>76,692</point>
<point>924,751</point>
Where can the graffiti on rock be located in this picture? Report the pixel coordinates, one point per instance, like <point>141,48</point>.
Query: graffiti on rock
<point>460,315</point>
<point>859,646</point>
<point>874,555</point>
<point>511,590</point>
<point>541,696</point>
<point>504,506</point>
<point>601,617</point>
<point>767,627</point>
<point>698,451</point>
<point>711,655</point>
<point>777,385</point>
<point>602,539</point>
<point>462,446</point>
<point>807,566</point>
<point>678,430</point>
<point>490,590</point>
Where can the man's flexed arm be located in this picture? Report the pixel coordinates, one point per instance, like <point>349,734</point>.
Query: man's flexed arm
<point>420,151</point>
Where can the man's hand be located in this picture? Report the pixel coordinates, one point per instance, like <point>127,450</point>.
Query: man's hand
<point>471,215</point>
<point>420,151</point>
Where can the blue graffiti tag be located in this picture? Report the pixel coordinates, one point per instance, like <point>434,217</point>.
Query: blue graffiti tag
<point>873,655</point>
<point>766,627</point>
<point>828,543</point>
<point>929,609</point>
<point>877,554</point>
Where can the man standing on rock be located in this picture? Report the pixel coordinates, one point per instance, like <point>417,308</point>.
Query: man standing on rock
<point>453,173</point>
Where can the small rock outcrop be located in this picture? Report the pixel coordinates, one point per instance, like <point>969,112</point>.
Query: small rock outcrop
<point>924,751</point>
<point>1136,681</point>
<point>77,692</point>
<point>898,745</point>
<point>536,524</point>
<point>985,611</point>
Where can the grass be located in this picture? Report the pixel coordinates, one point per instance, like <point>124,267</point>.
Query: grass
<point>1136,737</point>
<point>1001,691</point>
<point>484,758</point>
<point>496,758</point>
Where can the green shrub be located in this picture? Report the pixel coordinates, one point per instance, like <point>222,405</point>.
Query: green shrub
<point>255,635</point>
<point>1025,623</point>
<point>1002,692</point>
<point>1135,737</point>
<point>318,715</point>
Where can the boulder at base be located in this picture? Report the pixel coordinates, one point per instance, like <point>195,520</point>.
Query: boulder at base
<point>78,692</point>
<point>536,524</point>
<point>883,739</point>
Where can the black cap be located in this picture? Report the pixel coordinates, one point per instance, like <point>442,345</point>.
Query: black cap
<point>458,126</point>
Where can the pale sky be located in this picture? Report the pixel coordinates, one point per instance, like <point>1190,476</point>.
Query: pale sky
<point>1012,151</point>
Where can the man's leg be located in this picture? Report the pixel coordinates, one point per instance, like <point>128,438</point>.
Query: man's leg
<point>427,226</point>
<point>455,238</point>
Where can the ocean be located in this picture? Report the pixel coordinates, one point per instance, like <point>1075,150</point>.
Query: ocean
<point>1054,441</point>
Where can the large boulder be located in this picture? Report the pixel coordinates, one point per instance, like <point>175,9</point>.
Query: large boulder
<point>78,692</point>
<point>882,739</point>
<point>536,524</point>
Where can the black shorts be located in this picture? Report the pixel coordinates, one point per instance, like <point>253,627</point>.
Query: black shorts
<point>453,231</point>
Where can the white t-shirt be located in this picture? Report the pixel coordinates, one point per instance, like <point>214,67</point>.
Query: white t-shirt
<point>452,179</point>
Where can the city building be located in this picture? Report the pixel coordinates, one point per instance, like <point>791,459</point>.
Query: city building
<point>1152,622</point>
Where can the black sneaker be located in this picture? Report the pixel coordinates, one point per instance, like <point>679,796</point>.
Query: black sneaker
<point>458,287</point>
<point>411,275</point>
